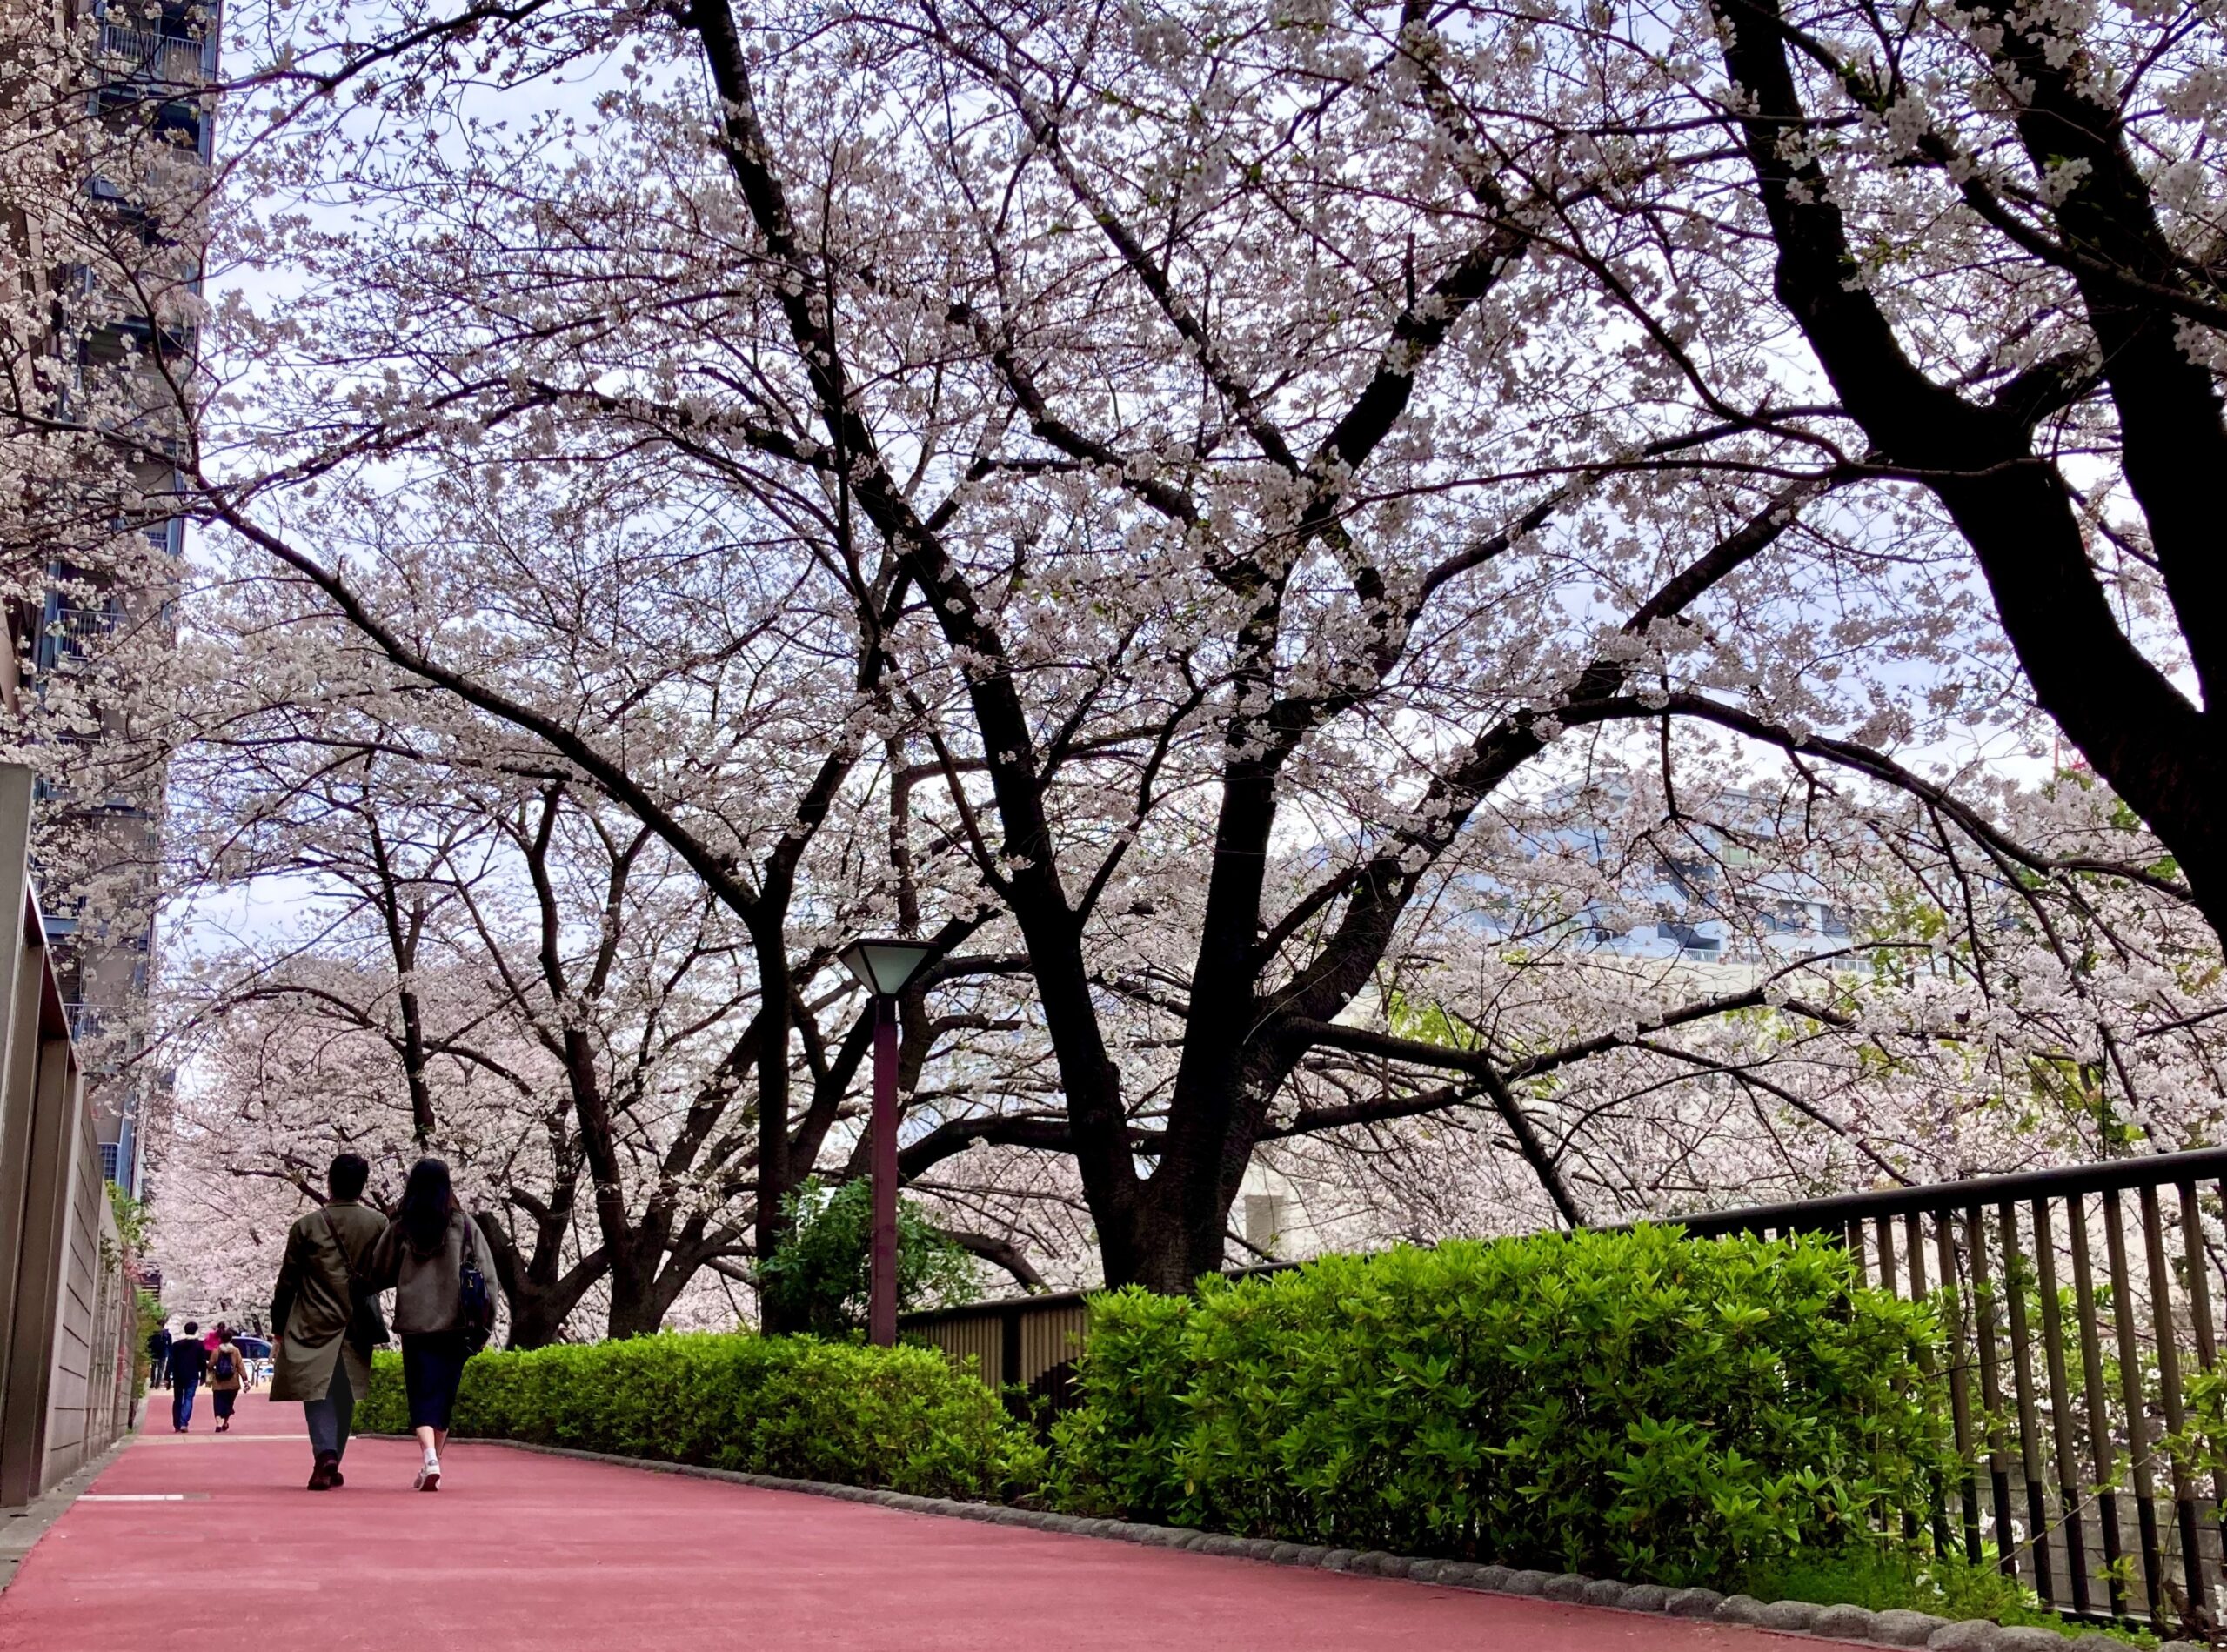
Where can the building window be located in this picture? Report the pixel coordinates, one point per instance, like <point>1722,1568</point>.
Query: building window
<point>1266,1215</point>
<point>111,1152</point>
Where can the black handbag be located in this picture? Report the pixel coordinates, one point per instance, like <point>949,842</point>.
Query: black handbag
<point>475,1302</point>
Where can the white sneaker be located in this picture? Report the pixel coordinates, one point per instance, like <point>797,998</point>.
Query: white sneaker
<point>429,1475</point>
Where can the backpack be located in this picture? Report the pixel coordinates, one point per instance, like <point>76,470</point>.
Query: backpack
<point>227,1362</point>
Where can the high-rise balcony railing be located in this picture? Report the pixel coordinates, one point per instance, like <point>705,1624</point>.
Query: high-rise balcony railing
<point>168,60</point>
<point>73,633</point>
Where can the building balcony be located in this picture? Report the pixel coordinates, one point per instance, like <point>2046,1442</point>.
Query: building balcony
<point>71,634</point>
<point>157,57</point>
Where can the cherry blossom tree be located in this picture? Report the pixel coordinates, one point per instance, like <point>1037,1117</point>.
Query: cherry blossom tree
<point>1176,506</point>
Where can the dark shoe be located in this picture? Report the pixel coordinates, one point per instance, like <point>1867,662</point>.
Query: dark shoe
<point>327,1474</point>
<point>338,1479</point>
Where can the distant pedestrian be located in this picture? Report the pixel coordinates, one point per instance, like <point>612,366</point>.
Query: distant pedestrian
<point>437,1260</point>
<point>189,1360</point>
<point>324,1317</point>
<point>159,1357</point>
<point>227,1376</point>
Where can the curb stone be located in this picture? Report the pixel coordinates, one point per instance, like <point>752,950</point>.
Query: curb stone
<point>1799,1617</point>
<point>1974,1634</point>
<point>1897,1628</point>
<point>1901,1628</point>
<point>1846,1623</point>
<point>1739,1609</point>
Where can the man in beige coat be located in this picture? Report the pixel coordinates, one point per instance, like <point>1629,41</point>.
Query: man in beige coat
<point>322,1349</point>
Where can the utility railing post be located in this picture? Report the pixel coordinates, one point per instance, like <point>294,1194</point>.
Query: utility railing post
<point>2021,1377</point>
<point>2070,1504</point>
<point>2169,1396</point>
<point>2138,1407</point>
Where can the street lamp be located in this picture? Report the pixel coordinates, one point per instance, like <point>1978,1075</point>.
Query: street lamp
<point>883,964</point>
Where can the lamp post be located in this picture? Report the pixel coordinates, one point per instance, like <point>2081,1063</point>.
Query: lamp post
<point>883,966</point>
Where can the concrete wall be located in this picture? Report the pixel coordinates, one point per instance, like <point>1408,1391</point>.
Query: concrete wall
<point>67,1324</point>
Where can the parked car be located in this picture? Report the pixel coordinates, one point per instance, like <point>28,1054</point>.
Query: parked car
<point>256,1351</point>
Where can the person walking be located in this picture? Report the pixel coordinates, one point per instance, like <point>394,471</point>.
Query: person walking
<point>442,1312</point>
<point>227,1376</point>
<point>324,1317</point>
<point>189,1360</point>
<point>159,1357</point>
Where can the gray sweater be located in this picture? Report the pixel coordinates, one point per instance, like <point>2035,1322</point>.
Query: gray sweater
<point>427,1296</point>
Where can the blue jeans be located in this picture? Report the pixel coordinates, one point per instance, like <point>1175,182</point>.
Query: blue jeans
<point>329,1418</point>
<point>181,1400</point>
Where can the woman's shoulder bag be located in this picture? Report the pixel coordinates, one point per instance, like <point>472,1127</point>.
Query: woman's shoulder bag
<point>475,1298</point>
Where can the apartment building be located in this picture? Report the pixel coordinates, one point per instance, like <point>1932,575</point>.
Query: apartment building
<point>110,143</point>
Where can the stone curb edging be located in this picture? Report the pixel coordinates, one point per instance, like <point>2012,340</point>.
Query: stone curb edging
<point>1895,1628</point>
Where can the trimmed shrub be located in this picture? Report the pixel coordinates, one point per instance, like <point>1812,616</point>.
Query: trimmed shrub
<point>1637,1405</point>
<point>793,1406</point>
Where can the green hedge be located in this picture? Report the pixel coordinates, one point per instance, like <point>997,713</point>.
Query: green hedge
<point>1635,1405</point>
<point>900,1418</point>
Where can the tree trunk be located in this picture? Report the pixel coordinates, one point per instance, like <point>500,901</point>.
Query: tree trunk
<point>1169,1252</point>
<point>540,1297</point>
<point>637,1307</point>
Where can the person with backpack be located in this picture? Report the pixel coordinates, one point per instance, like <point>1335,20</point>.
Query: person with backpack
<point>189,1359</point>
<point>325,1316</point>
<point>227,1376</point>
<point>436,1261</point>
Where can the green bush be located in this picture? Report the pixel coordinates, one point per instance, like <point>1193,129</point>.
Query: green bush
<point>1632,1405</point>
<point>793,1406</point>
<point>1635,1405</point>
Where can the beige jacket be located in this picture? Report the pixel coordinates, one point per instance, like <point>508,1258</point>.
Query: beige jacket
<point>238,1379</point>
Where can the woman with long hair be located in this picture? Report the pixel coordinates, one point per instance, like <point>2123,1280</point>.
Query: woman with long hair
<point>422,1258</point>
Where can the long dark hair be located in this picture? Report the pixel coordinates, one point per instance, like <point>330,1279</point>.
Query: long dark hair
<point>427,1200</point>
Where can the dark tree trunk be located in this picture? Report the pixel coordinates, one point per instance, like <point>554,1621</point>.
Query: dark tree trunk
<point>539,1296</point>
<point>1170,1250</point>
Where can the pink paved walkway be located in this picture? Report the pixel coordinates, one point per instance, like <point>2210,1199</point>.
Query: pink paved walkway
<point>522,1551</point>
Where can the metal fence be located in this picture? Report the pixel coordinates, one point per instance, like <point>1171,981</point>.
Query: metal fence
<point>2077,1310</point>
<point>1029,1342</point>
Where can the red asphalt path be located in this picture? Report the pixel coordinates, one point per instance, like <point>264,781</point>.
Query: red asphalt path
<point>519,1551</point>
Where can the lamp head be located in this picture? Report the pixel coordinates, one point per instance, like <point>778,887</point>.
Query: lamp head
<point>883,963</point>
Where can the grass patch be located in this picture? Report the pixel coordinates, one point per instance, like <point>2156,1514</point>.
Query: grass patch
<point>1885,1578</point>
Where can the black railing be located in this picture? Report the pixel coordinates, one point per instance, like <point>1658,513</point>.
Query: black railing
<point>2076,1305</point>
